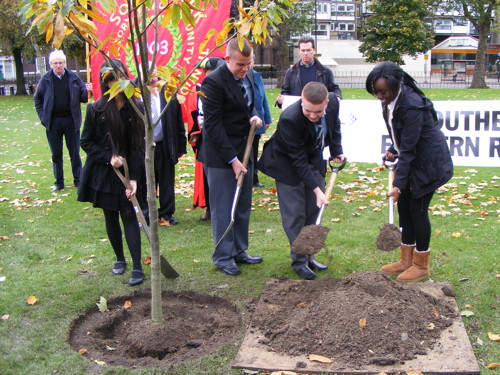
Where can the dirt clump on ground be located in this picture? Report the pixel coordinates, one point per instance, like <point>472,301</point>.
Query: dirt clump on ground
<point>365,318</point>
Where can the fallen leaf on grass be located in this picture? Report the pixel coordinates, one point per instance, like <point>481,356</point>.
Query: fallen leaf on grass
<point>127,305</point>
<point>101,363</point>
<point>493,365</point>
<point>4,238</point>
<point>82,351</point>
<point>2,279</point>
<point>469,306</point>
<point>467,313</point>
<point>319,358</point>
<point>456,235</point>
<point>110,348</point>
<point>147,261</point>
<point>5,316</point>
<point>32,300</point>
<point>494,336</point>
<point>431,326</point>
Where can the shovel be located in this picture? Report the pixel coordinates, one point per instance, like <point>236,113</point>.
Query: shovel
<point>389,237</point>
<point>239,183</point>
<point>311,238</point>
<point>166,268</point>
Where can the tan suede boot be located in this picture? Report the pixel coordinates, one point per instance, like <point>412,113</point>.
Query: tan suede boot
<point>419,269</point>
<point>403,264</point>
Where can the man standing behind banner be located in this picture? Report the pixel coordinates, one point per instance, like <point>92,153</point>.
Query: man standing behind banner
<point>294,158</point>
<point>228,112</point>
<point>308,69</point>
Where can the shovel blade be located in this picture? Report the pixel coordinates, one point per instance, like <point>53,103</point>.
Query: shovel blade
<point>166,269</point>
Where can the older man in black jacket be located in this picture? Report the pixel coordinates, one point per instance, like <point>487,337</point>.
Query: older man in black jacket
<point>294,158</point>
<point>57,103</point>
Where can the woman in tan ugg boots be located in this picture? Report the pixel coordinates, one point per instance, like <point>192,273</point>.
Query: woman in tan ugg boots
<point>424,163</point>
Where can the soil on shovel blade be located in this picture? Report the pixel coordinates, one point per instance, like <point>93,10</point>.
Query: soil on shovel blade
<point>389,238</point>
<point>399,322</point>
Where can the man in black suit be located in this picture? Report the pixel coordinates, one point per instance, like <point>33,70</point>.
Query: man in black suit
<point>228,111</point>
<point>294,158</point>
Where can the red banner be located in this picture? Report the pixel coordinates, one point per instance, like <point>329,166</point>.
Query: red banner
<point>177,46</point>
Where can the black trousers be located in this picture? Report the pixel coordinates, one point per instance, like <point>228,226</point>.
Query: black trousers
<point>414,219</point>
<point>165,179</point>
<point>64,127</point>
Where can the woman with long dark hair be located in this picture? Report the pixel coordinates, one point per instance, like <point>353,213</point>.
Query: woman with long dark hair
<point>424,163</point>
<point>113,131</point>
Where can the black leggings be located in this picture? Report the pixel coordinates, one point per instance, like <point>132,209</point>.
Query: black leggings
<point>132,235</point>
<point>414,219</point>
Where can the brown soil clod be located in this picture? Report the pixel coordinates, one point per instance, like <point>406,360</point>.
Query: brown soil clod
<point>389,238</point>
<point>310,240</point>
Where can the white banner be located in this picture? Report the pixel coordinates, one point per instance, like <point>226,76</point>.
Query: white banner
<point>472,129</point>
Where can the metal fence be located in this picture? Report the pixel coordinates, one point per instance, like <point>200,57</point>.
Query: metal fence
<point>356,80</point>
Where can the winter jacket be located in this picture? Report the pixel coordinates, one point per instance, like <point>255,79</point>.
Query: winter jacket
<point>424,158</point>
<point>293,86</point>
<point>44,98</point>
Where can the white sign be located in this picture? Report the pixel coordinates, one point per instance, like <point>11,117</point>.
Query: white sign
<point>472,129</point>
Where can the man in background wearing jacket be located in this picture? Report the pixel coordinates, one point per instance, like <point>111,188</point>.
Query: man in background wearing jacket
<point>57,102</point>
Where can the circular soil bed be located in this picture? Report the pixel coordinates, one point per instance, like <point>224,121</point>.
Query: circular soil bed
<point>194,325</point>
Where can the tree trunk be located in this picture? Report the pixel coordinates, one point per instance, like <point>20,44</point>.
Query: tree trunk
<point>18,61</point>
<point>280,51</point>
<point>478,81</point>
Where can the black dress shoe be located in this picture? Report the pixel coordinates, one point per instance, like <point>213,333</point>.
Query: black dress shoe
<point>231,270</point>
<point>258,184</point>
<point>317,266</point>
<point>56,188</point>
<point>248,259</point>
<point>119,268</point>
<point>136,278</point>
<point>305,272</point>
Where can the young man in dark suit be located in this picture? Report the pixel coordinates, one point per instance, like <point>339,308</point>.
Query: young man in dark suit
<point>228,112</point>
<point>294,158</point>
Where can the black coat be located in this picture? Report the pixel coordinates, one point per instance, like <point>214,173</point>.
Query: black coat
<point>290,155</point>
<point>226,119</point>
<point>424,158</point>
<point>99,183</point>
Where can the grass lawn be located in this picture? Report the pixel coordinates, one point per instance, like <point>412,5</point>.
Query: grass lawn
<point>56,249</point>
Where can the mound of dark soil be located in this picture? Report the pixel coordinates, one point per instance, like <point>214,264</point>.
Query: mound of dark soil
<point>365,318</point>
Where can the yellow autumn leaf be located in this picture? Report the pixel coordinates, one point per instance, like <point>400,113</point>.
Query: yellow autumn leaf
<point>469,306</point>
<point>435,312</point>
<point>319,358</point>
<point>494,336</point>
<point>302,304</point>
<point>493,365</point>
<point>414,372</point>
<point>82,351</point>
<point>362,323</point>
<point>32,300</point>
<point>5,316</point>
<point>456,235</point>
<point>127,305</point>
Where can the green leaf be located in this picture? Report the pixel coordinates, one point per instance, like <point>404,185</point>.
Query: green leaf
<point>102,305</point>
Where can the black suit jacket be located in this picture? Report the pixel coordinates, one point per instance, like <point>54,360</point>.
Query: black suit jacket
<point>174,133</point>
<point>226,119</point>
<point>291,155</point>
